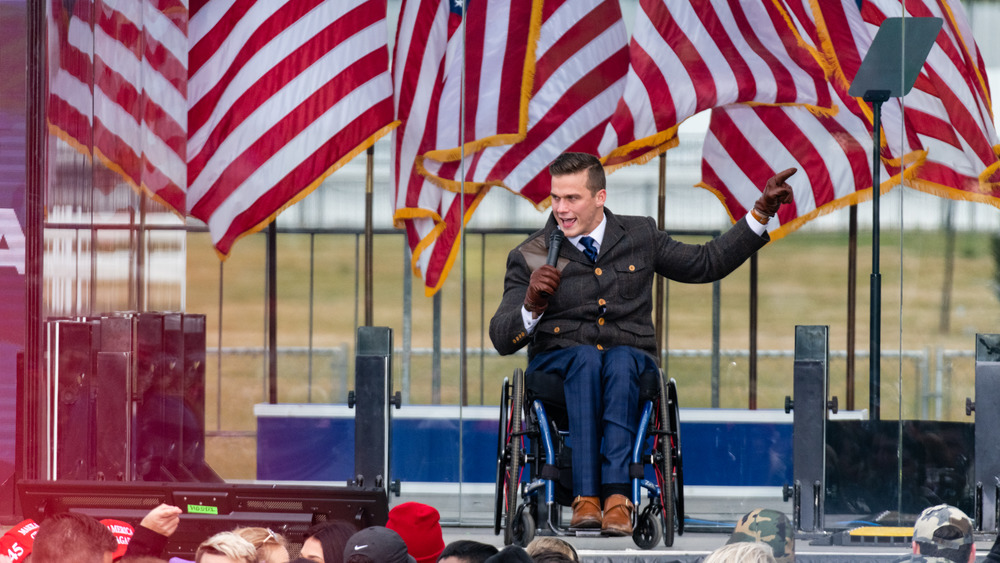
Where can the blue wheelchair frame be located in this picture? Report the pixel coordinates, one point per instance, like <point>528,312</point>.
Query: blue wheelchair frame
<point>661,517</point>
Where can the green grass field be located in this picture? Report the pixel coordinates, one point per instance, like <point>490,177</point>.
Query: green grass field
<point>803,280</point>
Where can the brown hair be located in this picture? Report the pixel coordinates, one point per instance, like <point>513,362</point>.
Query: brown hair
<point>573,162</point>
<point>72,537</point>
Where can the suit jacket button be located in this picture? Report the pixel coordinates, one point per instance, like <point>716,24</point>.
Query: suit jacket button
<point>598,271</point>
<point>556,329</point>
<point>600,321</point>
<point>631,267</point>
<point>599,347</point>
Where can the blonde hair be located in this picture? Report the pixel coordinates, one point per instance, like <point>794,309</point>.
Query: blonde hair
<point>549,543</point>
<point>228,544</point>
<point>264,541</point>
<point>742,552</point>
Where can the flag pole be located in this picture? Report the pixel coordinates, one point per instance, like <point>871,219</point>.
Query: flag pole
<point>272,313</point>
<point>852,301</point>
<point>752,374</point>
<point>369,190</point>
<point>660,288</point>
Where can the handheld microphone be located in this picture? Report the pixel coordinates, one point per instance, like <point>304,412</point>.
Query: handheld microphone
<point>555,242</point>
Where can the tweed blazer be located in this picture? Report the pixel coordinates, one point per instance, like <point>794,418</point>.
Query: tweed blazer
<point>609,303</point>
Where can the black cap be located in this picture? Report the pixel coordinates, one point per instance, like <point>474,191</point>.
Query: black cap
<point>380,544</point>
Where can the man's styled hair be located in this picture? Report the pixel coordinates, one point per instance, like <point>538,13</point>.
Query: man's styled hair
<point>469,550</point>
<point>573,162</point>
<point>229,545</point>
<point>70,537</point>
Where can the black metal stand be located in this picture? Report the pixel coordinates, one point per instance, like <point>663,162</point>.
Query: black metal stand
<point>876,98</point>
<point>888,70</point>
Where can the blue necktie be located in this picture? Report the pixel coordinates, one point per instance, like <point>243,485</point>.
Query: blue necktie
<point>588,248</point>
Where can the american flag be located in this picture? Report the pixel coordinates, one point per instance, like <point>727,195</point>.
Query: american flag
<point>427,74</point>
<point>745,145</point>
<point>118,87</point>
<point>948,115</point>
<point>281,94</point>
<point>580,65</point>
<point>494,52</point>
<point>949,148</point>
<point>686,57</point>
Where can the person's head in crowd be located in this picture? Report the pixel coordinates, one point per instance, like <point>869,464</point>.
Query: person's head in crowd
<point>742,552</point>
<point>770,527</point>
<point>943,534</point>
<point>123,532</point>
<point>376,544</point>
<point>142,559</point>
<point>543,544</point>
<point>324,542</point>
<point>17,541</point>
<point>73,538</point>
<point>271,547</point>
<point>420,527</point>
<point>225,547</point>
<point>511,554</point>
<point>552,557</point>
<point>467,551</point>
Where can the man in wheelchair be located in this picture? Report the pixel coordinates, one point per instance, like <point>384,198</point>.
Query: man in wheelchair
<point>585,313</point>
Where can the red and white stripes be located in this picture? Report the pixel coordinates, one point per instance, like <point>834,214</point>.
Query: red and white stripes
<point>281,94</point>
<point>686,57</point>
<point>133,114</point>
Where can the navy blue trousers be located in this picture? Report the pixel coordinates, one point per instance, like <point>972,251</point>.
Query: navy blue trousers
<point>602,404</point>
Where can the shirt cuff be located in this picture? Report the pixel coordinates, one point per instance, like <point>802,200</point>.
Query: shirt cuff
<point>755,225</point>
<point>529,322</point>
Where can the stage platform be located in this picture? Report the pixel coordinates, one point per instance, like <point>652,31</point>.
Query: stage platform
<point>710,515</point>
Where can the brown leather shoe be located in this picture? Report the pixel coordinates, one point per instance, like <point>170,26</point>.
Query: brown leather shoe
<point>586,513</point>
<point>617,516</point>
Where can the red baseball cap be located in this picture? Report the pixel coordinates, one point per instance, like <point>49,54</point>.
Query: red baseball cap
<point>17,542</point>
<point>123,534</point>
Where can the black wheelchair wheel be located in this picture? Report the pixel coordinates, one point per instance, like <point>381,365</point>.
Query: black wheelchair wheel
<point>665,466</point>
<point>524,527</point>
<point>513,478</point>
<point>675,426</point>
<point>503,437</point>
<point>648,530</point>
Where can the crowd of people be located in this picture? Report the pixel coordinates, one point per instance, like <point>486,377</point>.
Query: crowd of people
<point>413,534</point>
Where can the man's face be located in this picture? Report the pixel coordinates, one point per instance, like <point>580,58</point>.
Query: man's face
<point>577,211</point>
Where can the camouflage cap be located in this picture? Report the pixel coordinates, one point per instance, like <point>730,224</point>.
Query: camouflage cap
<point>947,548</point>
<point>770,527</point>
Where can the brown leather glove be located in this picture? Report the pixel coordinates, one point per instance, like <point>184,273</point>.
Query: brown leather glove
<point>544,282</point>
<point>776,192</point>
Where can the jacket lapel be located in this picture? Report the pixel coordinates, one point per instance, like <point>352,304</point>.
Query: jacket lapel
<point>613,232</point>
